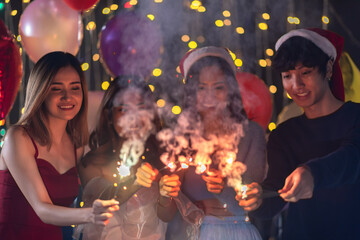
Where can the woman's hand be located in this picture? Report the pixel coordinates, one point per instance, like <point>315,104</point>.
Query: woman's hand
<point>298,185</point>
<point>169,185</point>
<point>251,199</point>
<point>145,175</point>
<point>102,211</point>
<point>214,181</point>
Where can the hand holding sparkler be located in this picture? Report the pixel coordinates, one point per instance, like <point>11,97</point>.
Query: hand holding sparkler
<point>214,181</point>
<point>145,175</point>
<point>169,185</point>
<point>298,185</point>
<point>102,211</point>
<point>249,196</point>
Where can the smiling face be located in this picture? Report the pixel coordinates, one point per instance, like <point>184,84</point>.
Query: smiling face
<point>306,86</point>
<point>65,95</point>
<point>212,91</point>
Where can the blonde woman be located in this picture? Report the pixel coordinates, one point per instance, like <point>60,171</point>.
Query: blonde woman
<point>38,174</point>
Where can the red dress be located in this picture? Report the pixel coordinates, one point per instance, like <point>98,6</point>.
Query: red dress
<point>17,218</point>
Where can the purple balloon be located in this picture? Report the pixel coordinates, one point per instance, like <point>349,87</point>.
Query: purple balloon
<point>130,45</point>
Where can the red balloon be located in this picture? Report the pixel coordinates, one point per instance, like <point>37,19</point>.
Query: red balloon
<point>10,70</point>
<point>256,98</point>
<point>80,5</point>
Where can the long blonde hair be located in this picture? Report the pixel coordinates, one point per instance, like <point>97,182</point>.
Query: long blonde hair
<point>34,118</point>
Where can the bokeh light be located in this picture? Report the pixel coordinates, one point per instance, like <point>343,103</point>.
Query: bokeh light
<point>96,57</point>
<point>263,26</point>
<point>192,44</point>
<point>176,110</point>
<point>151,17</point>
<point>105,85</point>
<point>185,38</point>
<point>273,89</point>
<point>160,103</point>
<point>272,126</point>
<point>226,13</point>
<point>219,23</point>
<point>269,52</point>
<point>85,66</point>
<point>325,19</point>
<point>157,72</point>
<point>266,16</point>
<point>240,30</point>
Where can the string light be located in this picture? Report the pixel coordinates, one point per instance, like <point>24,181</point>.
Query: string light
<point>263,26</point>
<point>192,44</point>
<point>219,23</point>
<point>91,26</point>
<point>272,126</point>
<point>268,62</point>
<point>195,4</point>
<point>151,17</point>
<point>105,85</point>
<point>262,62</point>
<point>238,62</point>
<point>96,57</point>
<point>106,11</point>
<point>273,89</point>
<point>185,38</point>
<point>176,110</point>
<point>240,30</point>
<point>13,12</point>
<point>227,22</point>
<point>200,39</point>
<point>133,2</point>
<point>85,66</point>
<point>201,9</point>
<point>226,13</point>
<point>114,7</point>
<point>269,52</point>
<point>325,19</point>
<point>160,103</point>
<point>152,88</point>
<point>266,16</point>
<point>157,72</point>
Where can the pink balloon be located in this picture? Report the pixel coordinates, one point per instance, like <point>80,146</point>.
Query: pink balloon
<point>50,25</point>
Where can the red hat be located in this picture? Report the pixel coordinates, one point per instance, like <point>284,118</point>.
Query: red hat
<point>194,55</point>
<point>331,44</point>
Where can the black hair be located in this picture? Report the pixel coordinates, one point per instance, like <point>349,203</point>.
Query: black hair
<point>235,105</point>
<point>104,130</point>
<point>297,50</point>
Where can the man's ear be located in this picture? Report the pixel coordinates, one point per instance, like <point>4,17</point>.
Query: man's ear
<point>329,69</point>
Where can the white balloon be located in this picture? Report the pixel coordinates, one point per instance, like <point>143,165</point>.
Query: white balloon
<point>50,25</point>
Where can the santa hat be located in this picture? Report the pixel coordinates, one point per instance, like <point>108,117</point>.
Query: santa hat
<point>194,55</point>
<point>331,44</point>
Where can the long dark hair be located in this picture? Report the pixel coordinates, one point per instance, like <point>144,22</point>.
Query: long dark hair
<point>104,130</point>
<point>37,89</point>
<point>234,106</point>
